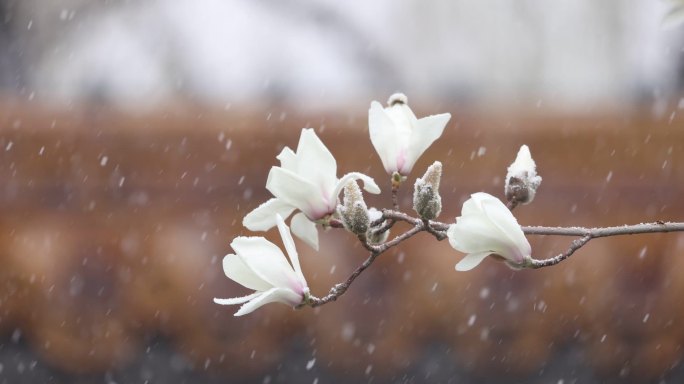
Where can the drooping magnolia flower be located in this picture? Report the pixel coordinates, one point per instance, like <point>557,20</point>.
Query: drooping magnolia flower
<point>398,136</point>
<point>487,227</point>
<point>306,181</point>
<point>260,265</point>
<point>522,180</point>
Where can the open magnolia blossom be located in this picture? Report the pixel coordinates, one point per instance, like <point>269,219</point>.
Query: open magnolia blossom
<point>486,227</point>
<point>398,136</point>
<point>260,265</point>
<point>306,181</point>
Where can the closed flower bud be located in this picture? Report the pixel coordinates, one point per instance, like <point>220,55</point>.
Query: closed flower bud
<point>522,180</point>
<point>426,199</point>
<point>372,236</point>
<point>353,211</point>
<point>377,237</point>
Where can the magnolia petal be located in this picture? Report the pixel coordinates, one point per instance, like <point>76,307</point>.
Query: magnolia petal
<point>296,191</point>
<point>262,218</point>
<point>471,261</point>
<point>502,218</point>
<point>315,161</point>
<point>290,248</point>
<point>267,261</point>
<point>282,295</point>
<point>305,229</point>
<point>473,234</point>
<point>288,159</point>
<point>427,130</point>
<point>486,225</point>
<point>402,114</point>
<point>368,183</point>
<point>236,270</point>
<point>237,300</point>
<point>383,136</point>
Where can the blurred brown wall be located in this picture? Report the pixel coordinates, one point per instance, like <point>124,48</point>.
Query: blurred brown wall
<point>114,226</point>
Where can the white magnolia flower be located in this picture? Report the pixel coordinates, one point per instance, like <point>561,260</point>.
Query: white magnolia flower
<point>398,136</point>
<point>306,181</point>
<point>260,265</point>
<point>487,227</point>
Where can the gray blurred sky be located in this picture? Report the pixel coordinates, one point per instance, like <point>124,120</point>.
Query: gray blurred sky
<point>566,54</point>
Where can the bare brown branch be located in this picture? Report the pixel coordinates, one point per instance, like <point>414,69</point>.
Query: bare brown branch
<point>438,230</point>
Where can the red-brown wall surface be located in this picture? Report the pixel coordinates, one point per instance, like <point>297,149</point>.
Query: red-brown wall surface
<point>113,227</point>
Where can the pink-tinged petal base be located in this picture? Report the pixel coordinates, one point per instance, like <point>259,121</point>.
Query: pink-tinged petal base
<point>298,192</point>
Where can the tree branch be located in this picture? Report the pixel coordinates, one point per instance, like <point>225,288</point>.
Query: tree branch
<point>574,246</point>
<point>656,227</point>
<point>438,230</point>
<point>375,250</point>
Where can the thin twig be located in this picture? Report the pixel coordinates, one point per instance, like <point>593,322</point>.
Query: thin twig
<point>339,289</point>
<point>574,246</point>
<point>439,235</point>
<point>656,227</point>
<point>438,230</point>
<point>395,197</point>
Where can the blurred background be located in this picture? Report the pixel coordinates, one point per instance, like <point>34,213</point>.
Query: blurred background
<point>135,135</point>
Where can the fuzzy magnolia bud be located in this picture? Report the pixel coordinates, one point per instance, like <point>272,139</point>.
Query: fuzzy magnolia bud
<point>372,236</point>
<point>522,180</point>
<point>426,199</point>
<point>353,211</point>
